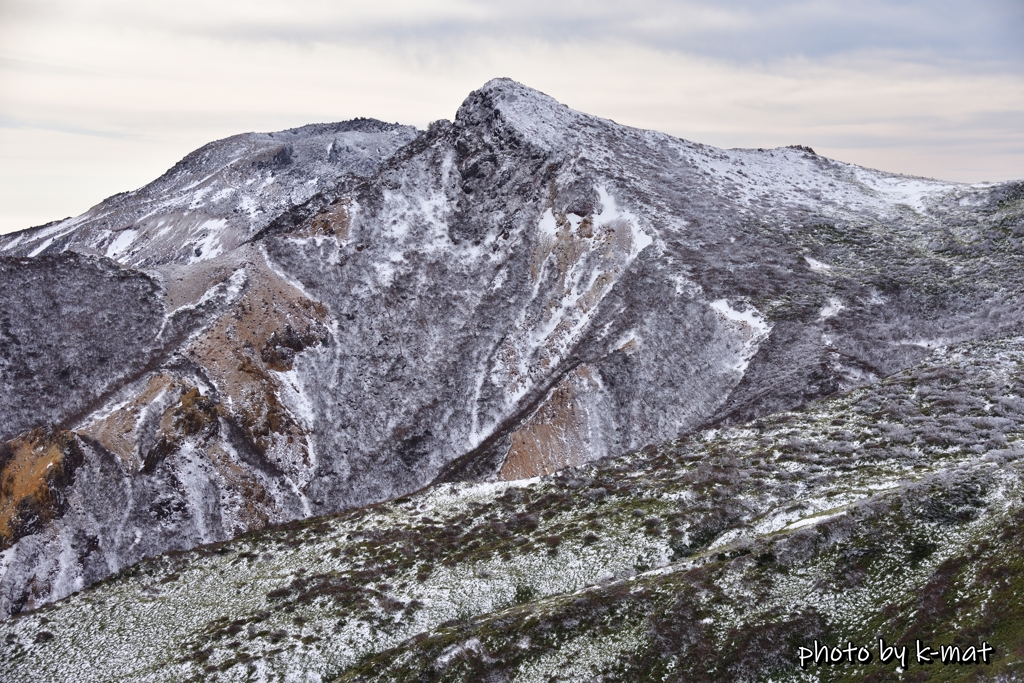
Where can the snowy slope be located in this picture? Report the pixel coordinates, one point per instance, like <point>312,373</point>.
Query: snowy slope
<point>709,558</point>
<point>218,196</point>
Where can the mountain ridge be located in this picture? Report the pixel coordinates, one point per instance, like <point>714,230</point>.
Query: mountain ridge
<point>295,158</point>
<point>523,289</point>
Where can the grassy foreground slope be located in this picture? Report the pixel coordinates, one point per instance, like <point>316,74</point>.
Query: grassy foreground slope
<point>894,511</point>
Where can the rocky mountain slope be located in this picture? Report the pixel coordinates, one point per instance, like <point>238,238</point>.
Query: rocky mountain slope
<point>220,195</point>
<point>894,511</point>
<point>524,289</point>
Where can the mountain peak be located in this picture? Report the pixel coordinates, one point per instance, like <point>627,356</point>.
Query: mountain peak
<point>220,195</point>
<point>507,89</point>
<point>539,117</point>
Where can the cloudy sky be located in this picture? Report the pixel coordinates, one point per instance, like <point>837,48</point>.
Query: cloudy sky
<point>101,96</point>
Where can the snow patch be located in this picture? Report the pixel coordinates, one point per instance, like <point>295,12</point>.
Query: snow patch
<point>683,286</point>
<point>222,194</point>
<point>499,279</point>
<point>446,657</point>
<point>812,520</point>
<point>931,343</point>
<point>750,316</point>
<point>627,341</point>
<point>830,309</point>
<point>752,326</point>
<point>730,536</point>
<point>211,245</point>
<point>611,212</point>
<point>42,247</point>
<point>295,399</point>
<point>817,266</point>
<point>913,192</point>
<point>547,227</point>
<point>121,243</point>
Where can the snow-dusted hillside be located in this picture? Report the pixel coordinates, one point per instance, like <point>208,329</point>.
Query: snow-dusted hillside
<point>219,196</point>
<point>519,290</point>
<point>893,511</point>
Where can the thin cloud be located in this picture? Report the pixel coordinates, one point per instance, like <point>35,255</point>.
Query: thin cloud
<point>987,31</point>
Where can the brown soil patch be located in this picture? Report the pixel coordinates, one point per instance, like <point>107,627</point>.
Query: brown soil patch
<point>193,415</point>
<point>254,502</point>
<point>117,431</point>
<point>36,468</point>
<point>335,221</point>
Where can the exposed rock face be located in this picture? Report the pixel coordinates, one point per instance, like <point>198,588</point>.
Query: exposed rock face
<point>37,468</point>
<point>520,290</point>
<point>560,433</point>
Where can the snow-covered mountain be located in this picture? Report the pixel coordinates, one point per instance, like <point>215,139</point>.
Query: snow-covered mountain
<point>299,323</point>
<point>220,195</point>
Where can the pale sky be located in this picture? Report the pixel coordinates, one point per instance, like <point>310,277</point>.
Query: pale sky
<point>102,96</point>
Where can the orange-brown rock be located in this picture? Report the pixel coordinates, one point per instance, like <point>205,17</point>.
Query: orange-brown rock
<point>559,433</point>
<point>35,469</point>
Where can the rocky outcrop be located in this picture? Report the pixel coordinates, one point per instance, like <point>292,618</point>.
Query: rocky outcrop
<point>35,470</point>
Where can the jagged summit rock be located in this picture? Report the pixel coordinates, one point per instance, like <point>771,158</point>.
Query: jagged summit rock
<point>539,119</point>
<point>519,290</point>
